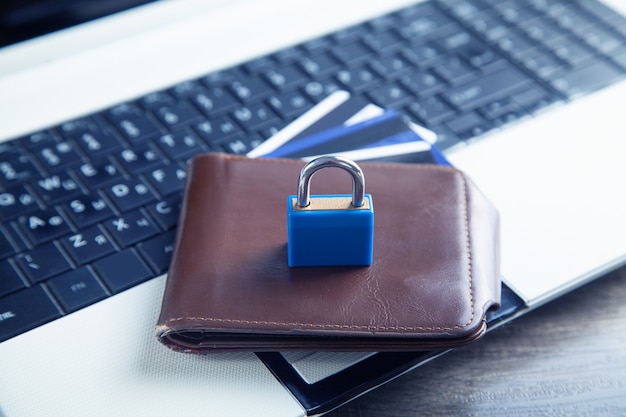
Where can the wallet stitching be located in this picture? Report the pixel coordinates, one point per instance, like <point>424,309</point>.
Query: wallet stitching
<point>365,327</point>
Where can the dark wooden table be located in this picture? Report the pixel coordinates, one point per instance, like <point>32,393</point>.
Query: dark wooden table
<point>567,358</point>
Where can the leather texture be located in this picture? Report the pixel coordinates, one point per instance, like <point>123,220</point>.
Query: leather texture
<point>434,275</point>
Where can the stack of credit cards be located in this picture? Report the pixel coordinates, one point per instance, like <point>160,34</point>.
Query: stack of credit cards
<point>353,128</point>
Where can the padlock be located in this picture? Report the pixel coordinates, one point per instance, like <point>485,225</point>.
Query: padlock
<point>330,229</point>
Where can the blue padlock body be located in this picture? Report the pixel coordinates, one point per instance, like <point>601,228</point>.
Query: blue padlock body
<point>330,237</point>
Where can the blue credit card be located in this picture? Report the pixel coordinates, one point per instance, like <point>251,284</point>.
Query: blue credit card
<point>389,127</point>
<point>355,128</point>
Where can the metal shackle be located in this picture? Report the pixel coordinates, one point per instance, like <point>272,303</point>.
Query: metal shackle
<point>358,179</point>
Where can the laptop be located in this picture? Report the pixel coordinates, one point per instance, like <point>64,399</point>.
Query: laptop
<point>124,97</point>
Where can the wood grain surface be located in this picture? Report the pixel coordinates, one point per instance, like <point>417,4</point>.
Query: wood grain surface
<point>567,358</point>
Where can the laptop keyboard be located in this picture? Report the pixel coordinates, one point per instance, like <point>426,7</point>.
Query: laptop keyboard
<point>88,208</point>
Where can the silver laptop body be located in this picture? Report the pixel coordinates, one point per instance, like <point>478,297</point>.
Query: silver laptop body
<point>557,178</point>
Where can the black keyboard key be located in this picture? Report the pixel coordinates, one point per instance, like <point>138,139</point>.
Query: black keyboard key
<point>168,180</point>
<point>75,127</point>
<point>16,168</point>
<point>76,289</point>
<point>240,145</point>
<point>158,250</point>
<point>534,98</point>
<point>383,41</point>
<point>290,104</point>
<point>391,95</point>
<point>129,194</point>
<point>139,158</point>
<point>214,101</point>
<point>423,83</point>
<point>43,226</point>
<point>249,88</point>
<point>476,53</point>
<point>265,134</point>
<point>15,236</point>
<point>220,78</point>
<point>317,44</point>
<point>463,8</point>
<point>502,111</point>
<point>98,173</point>
<point>543,63</point>
<point>258,64</point>
<point>122,270</point>
<point>137,128</point>
<point>571,18</point>
<point>423,21</point>
<point>165,212</point>
<point>353,53</point>
<point>392,65</point>
<point>130,228</point>
<point>8,148</point>
<point>383,22</point>
<point>487,88</point>
<point>569,50</point>
<point>288,75</point>
<point>469,125</point>
<point>454,70</point>
<point>10,280</point>
<point>6,248</point>
<point>87,210</point>
<point>87,245</point>
<point>217,129</point>
<point>319,89</point>
<point>542,29</point>
<point>286,55</point>
<point>123,111</point>
<point>512,12</point>
<point>358,79</point>
<point>180,144</point>
<point>155,99</point>
<point>426,54</point>
<point>620,57</point>
<point>599,10</point>
<point>347,34</point>
<point>25,310</point>
<point>319,64</point>
<point>15,201</point>
<point>431,110</point>
<point>98,143</point>
<point>42,263</point>
<point>58,156</point>
<point>186,89</point>
<point>176,115</point>
<point>602,40</point>
<point>252,141</point>
<point>618,23</point>
<point>587,79</point>
<point>57,188</point>
<point>37,139</point>
<point>254,116</point>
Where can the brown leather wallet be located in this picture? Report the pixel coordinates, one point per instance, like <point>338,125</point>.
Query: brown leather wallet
<point>434,275</point>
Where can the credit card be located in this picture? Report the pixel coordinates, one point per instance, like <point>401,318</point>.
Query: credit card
<point>354,128</point>
<point>343,138</point>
